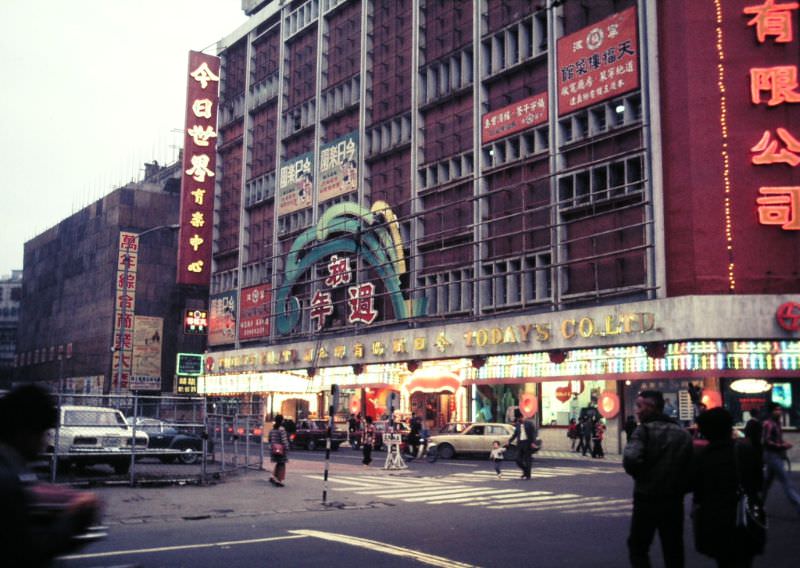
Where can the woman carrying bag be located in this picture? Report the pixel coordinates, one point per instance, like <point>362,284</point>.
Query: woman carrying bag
<point>723,471</point>
<point>279,447</point>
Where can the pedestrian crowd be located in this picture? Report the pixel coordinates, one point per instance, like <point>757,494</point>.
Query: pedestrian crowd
<point>728,478</point>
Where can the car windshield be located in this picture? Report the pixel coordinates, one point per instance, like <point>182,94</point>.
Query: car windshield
<point>93,418</point>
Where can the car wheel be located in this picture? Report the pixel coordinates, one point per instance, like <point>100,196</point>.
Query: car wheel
<point>446,451</point>
<point>312,445</point>
<point>188,455</point>
<point>121,467</point>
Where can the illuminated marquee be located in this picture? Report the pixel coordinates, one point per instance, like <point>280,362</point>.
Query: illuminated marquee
<point>199,163</point>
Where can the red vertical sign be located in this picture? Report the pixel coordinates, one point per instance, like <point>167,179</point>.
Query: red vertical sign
<point>199,164</point>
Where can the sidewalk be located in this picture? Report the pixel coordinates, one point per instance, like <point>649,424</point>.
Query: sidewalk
<point>237,494</point>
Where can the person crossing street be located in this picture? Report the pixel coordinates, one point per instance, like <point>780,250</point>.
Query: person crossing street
<point>525,435</point>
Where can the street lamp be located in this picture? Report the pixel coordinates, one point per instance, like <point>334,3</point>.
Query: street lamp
<point>118,346</point>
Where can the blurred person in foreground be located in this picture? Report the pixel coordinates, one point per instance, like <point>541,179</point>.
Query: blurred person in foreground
<point>657,456</point>
<point>718,470</point>
<point>37,521</point>
<point>775,449</point>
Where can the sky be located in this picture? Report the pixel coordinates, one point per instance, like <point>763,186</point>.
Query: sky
<point>91,90</point>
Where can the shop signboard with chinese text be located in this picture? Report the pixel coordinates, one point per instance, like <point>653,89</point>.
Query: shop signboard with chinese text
<point>598,63</point>
<point>124,306</point>
<point>255,312</point>
<point>222,318</point>
<point>147,334</point>
<point>514,118</point>
<point>338,167</point>
<point>198,174</point>
<point>195,322</point>
<point>296,184</point>
<point>190,364</point>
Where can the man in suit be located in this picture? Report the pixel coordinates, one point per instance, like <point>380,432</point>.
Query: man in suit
<point>525,435</point>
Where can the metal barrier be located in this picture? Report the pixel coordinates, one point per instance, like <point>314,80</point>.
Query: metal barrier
<point>238,441</point>
<point>142,438</point>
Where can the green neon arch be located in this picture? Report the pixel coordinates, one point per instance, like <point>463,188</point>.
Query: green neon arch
<point>352,225</point>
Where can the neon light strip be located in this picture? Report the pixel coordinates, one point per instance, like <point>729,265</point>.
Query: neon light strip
<point>723,124</point>
<point>682,356</point>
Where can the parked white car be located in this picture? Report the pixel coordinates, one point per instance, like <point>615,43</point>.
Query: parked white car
<point>94,435</point>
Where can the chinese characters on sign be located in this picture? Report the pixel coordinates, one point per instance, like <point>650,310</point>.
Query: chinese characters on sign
<point>146,373</point>
<point>254,312</point>
<point>598,63</point>
<point>199,163</point>
<point>195,322</point>
<point>222,318</point>
<point>127,262</point>
<point>774,86</point>
<point>514,118</point>
<point>338,167</point>
<point>296,184</point>
<point>360,300</point>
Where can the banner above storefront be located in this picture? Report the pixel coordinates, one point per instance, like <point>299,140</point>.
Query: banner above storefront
<point>715,318</point>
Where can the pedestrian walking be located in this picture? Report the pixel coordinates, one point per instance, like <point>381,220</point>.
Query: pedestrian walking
<point>496,455</point>
<point>658,458</point>
<point>572,433</point>
<point>525,435</point>
<point>31,532</point>
<point>597,439</point>
<point>414,434</point>
<point>719,470</point>
<point>367,441</point>
<point>630,426</point>
<point>352,428</point>
<point>581,447</point>
<point>586,434</point>
<point>278,449</point>
<point>775,455</point>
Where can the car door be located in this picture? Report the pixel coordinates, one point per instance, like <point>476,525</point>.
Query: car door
<point>473,438</point>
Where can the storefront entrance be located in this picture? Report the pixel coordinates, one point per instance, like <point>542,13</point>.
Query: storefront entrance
<point>436,409</point>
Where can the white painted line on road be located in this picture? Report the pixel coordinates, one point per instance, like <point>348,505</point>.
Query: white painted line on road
<point>613,505</point>
<point>526,495</point>
<point>474,499</point>
<point>584,504</point>
<point>445,495</point>
<point>178,547</point>
<point>410,492</point>
<point>385,548</point>
<point>525,502</point>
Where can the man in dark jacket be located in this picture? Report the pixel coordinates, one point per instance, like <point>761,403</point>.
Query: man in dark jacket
<point>658,457</point>
<point>525,435</point>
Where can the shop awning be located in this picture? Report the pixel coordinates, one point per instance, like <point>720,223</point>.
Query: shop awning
<point>433,380</point>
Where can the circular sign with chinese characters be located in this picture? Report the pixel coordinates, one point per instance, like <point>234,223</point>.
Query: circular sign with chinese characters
<point>788,316</point>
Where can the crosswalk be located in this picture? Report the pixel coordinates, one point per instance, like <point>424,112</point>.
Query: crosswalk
<point>511,473</point>
<point>460,489</point>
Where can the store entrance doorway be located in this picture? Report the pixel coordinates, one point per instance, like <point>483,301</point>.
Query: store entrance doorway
<point>436,409</point>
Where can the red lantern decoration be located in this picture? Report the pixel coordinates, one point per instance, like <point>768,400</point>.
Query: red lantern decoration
<point>528,405</point>
<point>355,406</point>
<point>711,399</point>
<point>608,404</point>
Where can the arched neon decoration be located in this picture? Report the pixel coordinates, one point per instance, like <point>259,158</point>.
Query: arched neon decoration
<point>347,227</point>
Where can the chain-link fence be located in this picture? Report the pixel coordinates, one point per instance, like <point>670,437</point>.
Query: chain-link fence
<point>131,438</point>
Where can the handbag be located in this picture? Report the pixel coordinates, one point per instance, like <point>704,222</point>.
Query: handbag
<point>751,521</point>
<point>278,449</point>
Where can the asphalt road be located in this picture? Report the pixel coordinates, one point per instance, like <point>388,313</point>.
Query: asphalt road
<point>451,513</point>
